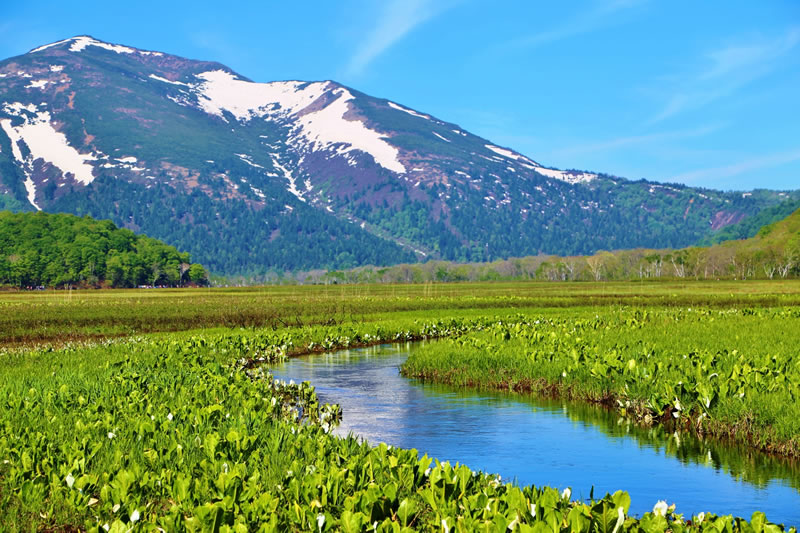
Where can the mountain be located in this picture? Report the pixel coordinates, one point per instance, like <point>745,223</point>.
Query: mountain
<point>43,249</point>
<point>296,175</point>
<point>750,226</point>
<point>773,252</point>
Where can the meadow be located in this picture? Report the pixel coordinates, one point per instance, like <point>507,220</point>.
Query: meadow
<point>152,409</point>
<point>58,316</point>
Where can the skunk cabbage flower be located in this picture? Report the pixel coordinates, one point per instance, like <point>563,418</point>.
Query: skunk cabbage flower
<point>660,508</point>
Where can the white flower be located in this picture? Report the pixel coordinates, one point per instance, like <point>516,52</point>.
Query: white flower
<point>106,526</point>
<point>169,417</point>
<point>70,480</point>
<point>701,517</point>
<point>660,508</point>
<point>513,523</point>
<point>533,510</point>
<point>135,515</point>
<point>445,526</point>
<point>620,519</point>
<point>115,508</point>
<point>320,521</point>
<point>111,435</point>
<point>566,493</point>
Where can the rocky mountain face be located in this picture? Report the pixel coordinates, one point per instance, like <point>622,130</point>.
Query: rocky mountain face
<point>297,175</point>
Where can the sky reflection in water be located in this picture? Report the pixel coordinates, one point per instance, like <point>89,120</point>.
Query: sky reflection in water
<point>541,442</point>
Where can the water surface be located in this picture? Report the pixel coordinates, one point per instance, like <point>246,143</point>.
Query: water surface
<point>540,442</point>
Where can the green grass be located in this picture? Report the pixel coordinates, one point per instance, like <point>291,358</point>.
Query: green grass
<point>178,428</point>
<point>60,316</point>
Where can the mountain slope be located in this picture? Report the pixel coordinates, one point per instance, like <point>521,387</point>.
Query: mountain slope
<point>750,226</point>
<point>296,175</point>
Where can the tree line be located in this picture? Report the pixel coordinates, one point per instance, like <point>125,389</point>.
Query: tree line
<point>773,253</point>
<point>60,250</point>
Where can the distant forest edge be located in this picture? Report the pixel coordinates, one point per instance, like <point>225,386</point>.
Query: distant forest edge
<point>773,252</point>
<point>60,250</point>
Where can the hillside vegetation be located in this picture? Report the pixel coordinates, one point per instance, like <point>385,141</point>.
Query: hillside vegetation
<point>751,225</point>
<point>774,252</point>
<point>56,250</point>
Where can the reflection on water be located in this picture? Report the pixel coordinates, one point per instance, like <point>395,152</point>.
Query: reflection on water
<point>545,442</point>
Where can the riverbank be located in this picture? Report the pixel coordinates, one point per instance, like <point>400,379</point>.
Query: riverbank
<point>729,374</point>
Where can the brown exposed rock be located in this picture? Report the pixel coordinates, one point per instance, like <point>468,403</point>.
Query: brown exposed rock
<point>726,218</point>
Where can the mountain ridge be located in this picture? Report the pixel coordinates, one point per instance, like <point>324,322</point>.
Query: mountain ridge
<point>117,132</point>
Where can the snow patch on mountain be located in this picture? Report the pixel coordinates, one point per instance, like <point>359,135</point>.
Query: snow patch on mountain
<point>569,177</point>
<point>292,188</point>
<point>45,142</point>
<point>38,84</point>
<point>325,128</point>
<point>46,46</point>
<point>509,154</point>
<point>222,91</point>
<point>165,80</point>
<point>30,187</point>
<point>16,108</point>
<point>82,41</point>
<point>445,139</point>
<point>407,110</point>
<point>248,159</point>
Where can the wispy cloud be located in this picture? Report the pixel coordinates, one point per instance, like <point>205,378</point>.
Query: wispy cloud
<point>724,71</point>
<point>396,20</point>
<point>740,167</point>
<point>637,140</point>
<point>585,21</point>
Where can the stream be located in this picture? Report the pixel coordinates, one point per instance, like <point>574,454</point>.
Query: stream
<point>532,441</point>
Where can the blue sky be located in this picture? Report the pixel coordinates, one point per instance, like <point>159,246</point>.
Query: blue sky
<point>704,93</point>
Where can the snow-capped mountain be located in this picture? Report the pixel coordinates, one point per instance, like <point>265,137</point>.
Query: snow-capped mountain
<point>293,174</point>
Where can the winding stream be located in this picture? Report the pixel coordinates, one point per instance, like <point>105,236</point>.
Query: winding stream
<point>541,442</point>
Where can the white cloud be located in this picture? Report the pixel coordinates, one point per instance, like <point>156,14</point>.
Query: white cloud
<point>396,20</point>
<point>740,167</point>
<point>586,21</point>
<point>724,71</point>
<point>632,140</point>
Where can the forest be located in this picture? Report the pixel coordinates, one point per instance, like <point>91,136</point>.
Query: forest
<point>774,252</point>
<point>60,250</point>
